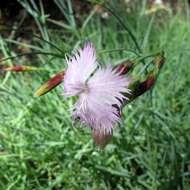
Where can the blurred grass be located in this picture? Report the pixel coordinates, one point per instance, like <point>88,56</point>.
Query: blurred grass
<point>40,150</point>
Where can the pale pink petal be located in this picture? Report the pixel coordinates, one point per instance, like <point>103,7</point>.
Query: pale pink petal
<point>98,105</point>
<point>80,67</point>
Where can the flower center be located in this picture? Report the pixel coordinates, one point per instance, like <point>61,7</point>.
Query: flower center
<point>85,89</point>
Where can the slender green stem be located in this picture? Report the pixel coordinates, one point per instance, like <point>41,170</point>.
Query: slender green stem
<point>31,53</point>
<point>116,50</point>
<point>147,56</point>
<point>36,36</point>
<point>51,44</point>
<point>125,27</point>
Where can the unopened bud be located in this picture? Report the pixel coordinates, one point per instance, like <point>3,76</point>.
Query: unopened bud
<point>50,84</point>
<point>18,68</point>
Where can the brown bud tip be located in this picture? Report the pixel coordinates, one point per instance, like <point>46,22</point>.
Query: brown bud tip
<point>159,60</point>
<point>3,67</point>
<point>101,139</point>
<point>50,84</point>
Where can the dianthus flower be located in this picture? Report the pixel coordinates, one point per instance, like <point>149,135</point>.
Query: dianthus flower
<point>100,90</point>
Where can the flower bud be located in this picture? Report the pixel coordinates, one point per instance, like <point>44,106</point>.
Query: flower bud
<point>18,68</point>
<point>50,84</point>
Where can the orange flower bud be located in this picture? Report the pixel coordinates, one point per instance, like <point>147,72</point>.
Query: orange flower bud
<point>18,68</point>
<point>50,84</point>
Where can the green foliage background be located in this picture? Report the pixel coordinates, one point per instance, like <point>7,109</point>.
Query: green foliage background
<point>39,149</point>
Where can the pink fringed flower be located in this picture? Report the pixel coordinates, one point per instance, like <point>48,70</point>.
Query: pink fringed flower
<point>80,67</point>
<point>100,91</point>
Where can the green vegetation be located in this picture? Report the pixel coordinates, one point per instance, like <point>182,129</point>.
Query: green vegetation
<point>39,148</point>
